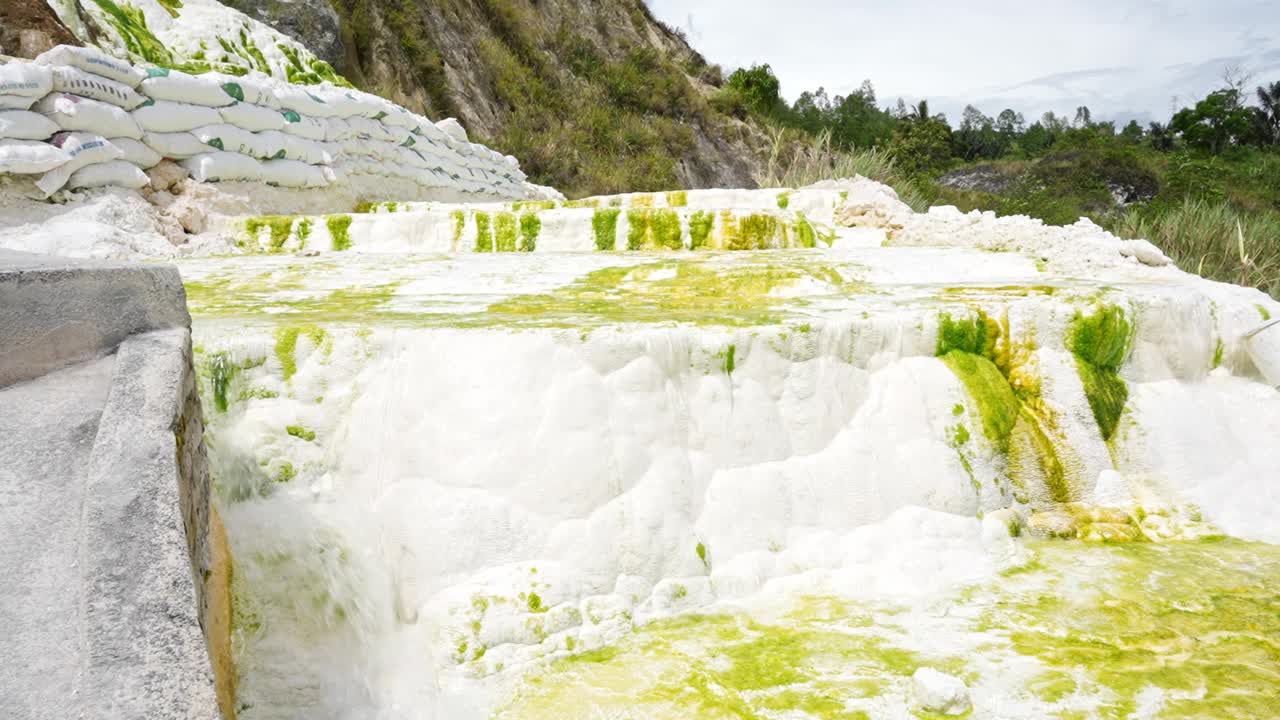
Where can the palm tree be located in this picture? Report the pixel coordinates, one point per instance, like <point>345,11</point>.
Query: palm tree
<point>1269,100</point>
<point>920,112</point>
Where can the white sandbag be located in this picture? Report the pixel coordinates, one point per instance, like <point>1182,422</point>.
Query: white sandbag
<point>176,146</point>
<point>95,61</point>
<point>29,157</point>
<point>299,100</point>
<point>177,86</point>
<point>16,102</point>
<point>345,103</point>
<point>116,173</point>
<point>428,130</point>
<point>83,149</point>
<point>291,173</point>
<point>23,79</point>
<point>72,112</point>
<point>163,116</point>
<point>253,118</point>
<point>254,89</point>
<point>307,151</point>
<point>336,129</point>
<point>397,117</point>
<point>26,125</point>
<point>369,129</point>
<point>303,126</point>
<point>78,82</point>
<point>452,128</point>
<point>220,166</point>
<point>137,152</point>
<point>230,138</point>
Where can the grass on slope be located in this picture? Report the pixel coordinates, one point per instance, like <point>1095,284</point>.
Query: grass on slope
<point>1214,239</point>
<point>1218,216</point>
<point>797,160</point>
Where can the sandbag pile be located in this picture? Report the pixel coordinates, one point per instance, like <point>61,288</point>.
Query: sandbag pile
<point>80,118</point>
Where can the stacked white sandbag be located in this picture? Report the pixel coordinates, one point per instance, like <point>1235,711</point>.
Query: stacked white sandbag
<point>22,84</point>
<point>82,149</point>
<point>223,127</point>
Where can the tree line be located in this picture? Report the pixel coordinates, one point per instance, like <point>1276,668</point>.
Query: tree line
<point>924,142</point>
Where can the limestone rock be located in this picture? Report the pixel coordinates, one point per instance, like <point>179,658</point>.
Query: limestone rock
<point>940,693</point>
<point>1144,252</point>
<point>165,175</point>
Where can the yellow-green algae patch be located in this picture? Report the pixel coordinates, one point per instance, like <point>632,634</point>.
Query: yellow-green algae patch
<point>1185,629</point>
<point>604,226</point>
<point>1179,630</point>
<point>287,344</point>
<point>734,294</point>
<point>1000,379</point>
<point>826,659</point>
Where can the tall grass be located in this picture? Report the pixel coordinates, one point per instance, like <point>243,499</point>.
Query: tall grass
<point>1213,239</point>
<point>795,163</point>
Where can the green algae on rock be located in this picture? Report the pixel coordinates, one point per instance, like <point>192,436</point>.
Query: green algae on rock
<point>1101,342</point>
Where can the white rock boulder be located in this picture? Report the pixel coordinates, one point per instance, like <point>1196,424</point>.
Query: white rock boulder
<point>940,693</point>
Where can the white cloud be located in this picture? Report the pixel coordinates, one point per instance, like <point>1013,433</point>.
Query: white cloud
<point>1130,56</point>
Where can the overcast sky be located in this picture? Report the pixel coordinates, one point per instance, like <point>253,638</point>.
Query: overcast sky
<point>1121,57</point>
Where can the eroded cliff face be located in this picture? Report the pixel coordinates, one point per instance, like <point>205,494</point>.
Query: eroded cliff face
<point>29,27</point>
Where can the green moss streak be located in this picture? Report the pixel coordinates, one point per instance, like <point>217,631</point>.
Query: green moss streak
<point>650,229</point>
<point>756,231</point>
<point>677,198</point>
<point>1265,313</point>
<point>700,224</point>
<point>459,224</point>
<point>976,335</point>
<point>484,232</point>
<point>805,236</point>
<point>504,232</point>
<point>280,227</point>
<point>1218,350</point>
<point>222,373</point>
<point>604,225</point>
<point>998,406</point>
<point>339,230</point>
<point>701,550</point>
<point>131,24</point>
<point>530,227</point>
<point>975,349</point>
<point>287,343</point>
<point>784,199</point>
<point>1101,343</point>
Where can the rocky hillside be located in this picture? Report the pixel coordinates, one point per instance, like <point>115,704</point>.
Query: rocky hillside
<point>593,96</point>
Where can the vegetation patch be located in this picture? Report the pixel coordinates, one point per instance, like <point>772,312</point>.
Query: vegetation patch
<point>1100,343</point>
<point>339,231</point>
<point>604,225</point>
<point>287,344</point>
